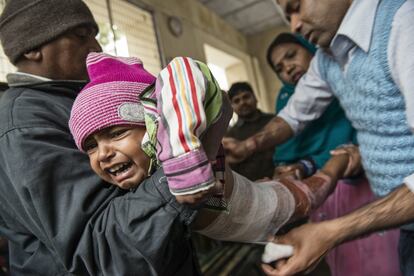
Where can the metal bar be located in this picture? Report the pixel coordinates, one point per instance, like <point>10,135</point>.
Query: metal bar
<point>151,10</point>
<point>111,23</point>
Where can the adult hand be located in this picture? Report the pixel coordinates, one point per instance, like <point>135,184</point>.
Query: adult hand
<point>310,241</point>
<point>236,151</point>
<point>297,171</point>
<point>354,164</point>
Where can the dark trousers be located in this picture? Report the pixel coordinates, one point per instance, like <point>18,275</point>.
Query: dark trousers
<point>406,252</point>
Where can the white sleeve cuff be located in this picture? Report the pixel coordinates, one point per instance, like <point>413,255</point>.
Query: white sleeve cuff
<point>409,181</point>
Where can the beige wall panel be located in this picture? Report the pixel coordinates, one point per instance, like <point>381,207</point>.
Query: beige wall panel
<point>258,45</point>
<point>197,22</point>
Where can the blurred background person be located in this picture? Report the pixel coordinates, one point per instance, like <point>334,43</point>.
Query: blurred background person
<point>250,121</point>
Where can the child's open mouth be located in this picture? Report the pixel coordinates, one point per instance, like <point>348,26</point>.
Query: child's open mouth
<point>119,168</point>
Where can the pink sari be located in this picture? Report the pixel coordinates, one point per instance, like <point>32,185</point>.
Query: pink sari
<point>375,254</point>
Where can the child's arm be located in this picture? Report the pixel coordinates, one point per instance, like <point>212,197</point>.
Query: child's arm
<point>188,102</point>
<point>258,210</point>
<point>311,192</point>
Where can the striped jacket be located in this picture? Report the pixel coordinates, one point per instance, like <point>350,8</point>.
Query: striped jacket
<point>179,108</point>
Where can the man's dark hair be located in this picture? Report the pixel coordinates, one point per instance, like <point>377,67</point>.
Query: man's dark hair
<point>238,87</point>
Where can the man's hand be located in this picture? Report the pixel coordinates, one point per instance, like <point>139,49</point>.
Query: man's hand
<point>354,165</point>
<point>276,132</point>
<point>236,151</point>
<point>311,242</point>
<point>297,171</point>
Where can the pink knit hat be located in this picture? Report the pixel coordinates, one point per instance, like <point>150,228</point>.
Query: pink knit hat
<point>111,97</point>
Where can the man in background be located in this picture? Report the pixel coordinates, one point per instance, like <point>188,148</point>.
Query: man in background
<point>250,121</point>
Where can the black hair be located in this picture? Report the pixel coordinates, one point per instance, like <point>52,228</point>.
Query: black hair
<point>238,87</point>
<point>280,39</point>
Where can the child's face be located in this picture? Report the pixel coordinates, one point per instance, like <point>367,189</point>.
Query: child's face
<point>116,156</point>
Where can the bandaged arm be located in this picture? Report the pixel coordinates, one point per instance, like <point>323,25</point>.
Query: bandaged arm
<point>256,210</point>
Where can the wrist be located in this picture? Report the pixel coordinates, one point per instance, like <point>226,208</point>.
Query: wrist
<point>336,166</point>
<point>334,234</point>
<point>338,230</point>
<point>307,166</point>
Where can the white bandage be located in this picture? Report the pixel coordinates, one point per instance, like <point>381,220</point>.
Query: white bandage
<point>274,252</point>
<point>256,210</point>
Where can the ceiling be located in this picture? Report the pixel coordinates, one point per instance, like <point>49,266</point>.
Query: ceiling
<point>247,16</point>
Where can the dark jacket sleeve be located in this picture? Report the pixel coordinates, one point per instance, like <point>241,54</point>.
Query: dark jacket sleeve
<point>87,226</point>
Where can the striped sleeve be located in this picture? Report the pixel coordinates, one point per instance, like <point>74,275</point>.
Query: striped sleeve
<point>183,90</point>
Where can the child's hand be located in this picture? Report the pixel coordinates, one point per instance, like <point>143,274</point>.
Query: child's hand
<point>194,199</point>
<point>200,197</point>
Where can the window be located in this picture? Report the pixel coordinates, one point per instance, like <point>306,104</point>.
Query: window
<point>132,32</point>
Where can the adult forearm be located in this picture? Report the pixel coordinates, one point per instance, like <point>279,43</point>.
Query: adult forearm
<point>276,132</point>
<point>391,211</point>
